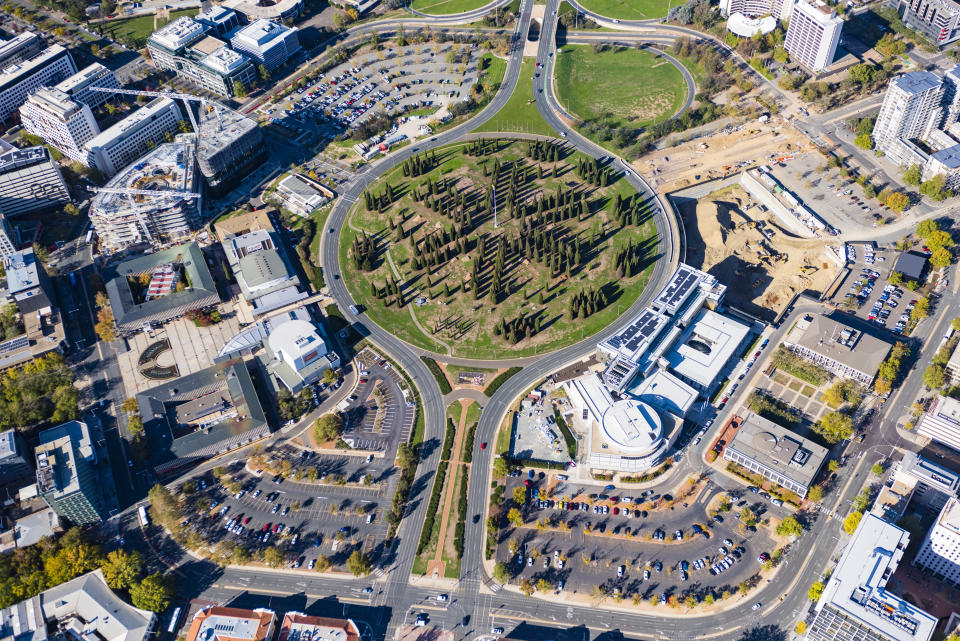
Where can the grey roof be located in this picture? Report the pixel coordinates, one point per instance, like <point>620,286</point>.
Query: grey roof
<point>263,267</point>
<point>840,342</point>
<point>172,444</point>
<point>22,271</point>
<point>911,264</point>
<point>779,449</point>
<point>918,81</point>
<point>129,314</point>
<point>950,156</point>
<point>90,598</point>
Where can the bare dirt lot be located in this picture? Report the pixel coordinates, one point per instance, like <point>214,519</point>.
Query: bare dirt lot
<point>725,238</point>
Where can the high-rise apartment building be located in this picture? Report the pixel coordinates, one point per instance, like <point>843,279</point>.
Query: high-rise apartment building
<point>66,477</point>
<point>779,9</point>
<point>939,20</point>
<point>61,121</point>
<point>15,468</point>
<point>911,108</point>
<point>813,34</point>
<point>267,43</point>
<point>940,552</point>
<point>78,85</point>
<point>20,80</point>
<point>133,136</point>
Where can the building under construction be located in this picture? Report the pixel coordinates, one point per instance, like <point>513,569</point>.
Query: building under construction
<point>230,145</point>
<point>131,208</point>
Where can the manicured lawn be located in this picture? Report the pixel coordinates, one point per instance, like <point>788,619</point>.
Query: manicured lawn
<point>446,7</point>
<point>628,9</point>
<point>450,312</point>
<point>140,27</point>
<point>520,113</point>
<point>636,86</point>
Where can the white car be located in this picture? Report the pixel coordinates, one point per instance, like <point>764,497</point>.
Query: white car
<point>755,606</point>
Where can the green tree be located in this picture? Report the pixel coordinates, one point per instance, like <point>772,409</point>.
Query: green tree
<point>833,465</point>
<point>122,569</point>
<point>815,493</point>
<point>135,425</point>
<point>500,466</point>
<point>939,240</point>
<point>897,201</point>
<point>500,574</point>
<point>359,563</point>
<point>153,593</point>
<point>816,591</point>
<point>789,526</point>
<point>273,556</point>
<point>328,427</point>
<point>940,258</point>
<point>912,175</point>
<point>520,495</point>
<point>515,517</point>
<point>926,228</point>
<point>264,73</point>
<point>129,405</point>
<point>877,469</point>
<point>935,376</point>
<point>239,89</point>
<point>864,141</point>
<point>834,427</point>
<point>851,522</point>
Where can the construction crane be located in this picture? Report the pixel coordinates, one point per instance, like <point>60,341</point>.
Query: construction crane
<point>185,97</point>
<point>154,193</point>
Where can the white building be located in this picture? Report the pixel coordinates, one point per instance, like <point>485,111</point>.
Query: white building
<point>267,42</point>
<point>21,47</point>
<point>301,196</point>
<point>62,122</point>
<point>912,108</point>
<point>941,422</point>
<point>837,347</point>
<point>938,19</point>
<point>20,80</point>
<point>78,85</point>
<point>30,180</point>
<point>127,140</point>
<point>779,9</point>
<point>701,354</point>
<point>856,604</point>
<point>813,34</point>
<point>220,20</point>
<point>297,354</point>
<point>940,552</point>
<point>83,608</point>
<point>267,281</point>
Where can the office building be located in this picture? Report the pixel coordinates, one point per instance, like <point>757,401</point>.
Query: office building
<point>184,47</point>
<point>939,20</point>
<point>66,478</point>
<point>219,20</point>
<point>122,220</point>
<point>82,609</point>
<point>214,623</point>
<point>8,244</point>
<point>29,181</point>
<point>21,47</point>
<point>941,421</point>
<point>296,353</point>
<point>940,552</point>
<point>191,287</point>
<point>263,270</point>
<point>785,458</point>
<point>132,137</point>
<point>837,347</point>
<point>813,34</point>
<point>22,79</point>
<point>700,356</point>
<point>61,121</point>
<point>297,626</point>
<point>930,484</point>
<point>911,265</point>
<point>16,469</point>
<point>230,145</point>
<point>78,85</point>
<point>301,195</point>
<point>267,43</point>
<point>33,294</point>
<point>855,605</point>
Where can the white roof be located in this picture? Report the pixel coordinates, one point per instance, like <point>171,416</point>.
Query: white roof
<point>632,427</point>
<point>663,390</point>
<point>296,338</point>
<point>942,421</point>
<point>136,119</point>
<point>223,60</point>
<point>178,33</point>
<point>90,598</point>
<point>857,586</point>
<point>740,25</point>
<point>261,33</point>
<point>706,346</point>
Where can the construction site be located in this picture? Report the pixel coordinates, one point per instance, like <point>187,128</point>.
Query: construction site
<point>152,201</point>
<point>739,242</point>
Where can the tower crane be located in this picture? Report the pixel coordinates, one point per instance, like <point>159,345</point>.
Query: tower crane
<point>155,193</point>
<point>185,97</point>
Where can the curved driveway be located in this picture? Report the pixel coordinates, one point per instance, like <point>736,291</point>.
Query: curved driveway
<point>466,16</point>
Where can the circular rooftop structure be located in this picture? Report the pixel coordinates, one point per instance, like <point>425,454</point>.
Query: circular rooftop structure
<point>632,427</point>
<point>740,25</point>
<point>764,441</point>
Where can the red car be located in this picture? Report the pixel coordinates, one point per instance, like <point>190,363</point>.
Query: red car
<point>616,511</point>
<point>363,380</point>
<point>266,526</point>
<point>483,445</point>
<point>246,520</point>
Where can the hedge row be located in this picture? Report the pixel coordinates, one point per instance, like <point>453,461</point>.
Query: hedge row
<point>468,444</point>
<point>462,507</point>
<point>433,507</point>
<point>448,440</point>
<point>500,380</point>
<point>529,462</point>
<point>438,374</point>
<point>567,434</point>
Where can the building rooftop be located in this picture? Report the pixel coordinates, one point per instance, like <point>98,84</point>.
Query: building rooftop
<point>857,587</point>
<point>941,422</point>
<point>779,449</point>
<point>30,529</point>
<point>208,44</point>
<point>243,224</point>
<point>261,34</point>
<point>231,624</point>
<point>22,271</point>
<point>932,474</point>
<point>684,282</point>
<point>840,342</point>
<point>300,627</point>
<point>666,392</point>
<point>16,158</point>
<point>949,157</point>
<point>215,14</point>
<point>949,518</point>
<point>219,128</point>
<point>254,9</point>
<point>134,120</point>
<point>706,346</point>
<point>917,81</point>
<point>82,77</point>
<point>262,267</point>
<point>179,33</point>
<point>635,339</point>
<point>224,60</point>
<point>14,72</point>
<point>911,265</point>
<point>8,444</point>
<point>54,101</point>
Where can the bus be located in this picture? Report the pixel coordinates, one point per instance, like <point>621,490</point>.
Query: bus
<point>89,237</point>
<point>73,278</point>
<point>174,619</point>
<point>142,511</point>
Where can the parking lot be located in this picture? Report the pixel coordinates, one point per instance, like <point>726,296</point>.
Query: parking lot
<point>378,416</point>
<point>866,292</point>
<point>631,542</point>
<point>535,435</point>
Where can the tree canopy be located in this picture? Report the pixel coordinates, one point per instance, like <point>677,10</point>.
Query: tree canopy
<point>834,427</point>
<point>153,593</point>
<point>328,427</point>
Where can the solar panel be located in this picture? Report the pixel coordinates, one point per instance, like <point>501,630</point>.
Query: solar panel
<point>679,287</point>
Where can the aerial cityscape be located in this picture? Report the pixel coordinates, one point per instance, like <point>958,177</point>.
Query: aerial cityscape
<point>479,320</point>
